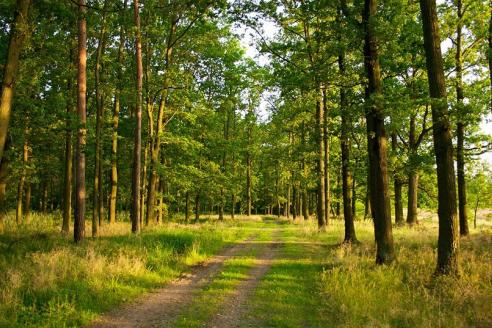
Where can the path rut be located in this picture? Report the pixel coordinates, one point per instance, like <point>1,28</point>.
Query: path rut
<point>233,310</point>
<point>162,306</point>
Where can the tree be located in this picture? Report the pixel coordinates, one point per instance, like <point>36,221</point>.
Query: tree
<point>137,147</point>
<point>377,142</point>
<point>448,242</point>
<point>17,36</point>
<point>80,196</point>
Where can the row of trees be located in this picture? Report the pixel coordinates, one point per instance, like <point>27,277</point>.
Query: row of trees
<point>158,106</point>
<point>335,63</point>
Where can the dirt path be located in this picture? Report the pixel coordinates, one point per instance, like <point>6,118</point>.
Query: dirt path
<point>161,307</point>
<point>235,307</point>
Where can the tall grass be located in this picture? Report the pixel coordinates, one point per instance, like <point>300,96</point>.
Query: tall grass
<point>356,293</point>
<point>47,281</point>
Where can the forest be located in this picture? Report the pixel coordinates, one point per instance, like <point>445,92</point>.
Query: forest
<point>246,163</point>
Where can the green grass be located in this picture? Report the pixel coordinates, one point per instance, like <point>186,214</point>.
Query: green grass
<point>47,281</point>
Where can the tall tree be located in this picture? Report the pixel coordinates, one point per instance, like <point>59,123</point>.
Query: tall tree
<point>137,148</point>
<point>80,196</point>
<point>460,128</point>
<point>348,214</point>
<point>17,35</point>
<point>157,133</point>
<point>22,178</point>
<point>116,116</point>
<point>448,242</point>
<point>377,141</point>
<point>67,191</point>
<point>97,197</point>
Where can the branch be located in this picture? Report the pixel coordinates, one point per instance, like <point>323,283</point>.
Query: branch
<point>118,9</point>
<point>424,129</point>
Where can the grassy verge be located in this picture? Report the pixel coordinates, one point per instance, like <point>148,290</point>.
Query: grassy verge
<point>47,281</point>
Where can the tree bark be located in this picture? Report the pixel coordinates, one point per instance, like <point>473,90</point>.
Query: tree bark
<point>114,138</point>
<point>22,179</point>
<point>326,148</point>
<point>413,185</point>
<point>197,207</point>
<point>44,198</point>
<point>377,142</point>
<point>348,214</point>
<point>17,35</point>
<point>490,54</point>
<point>96,211</point>
<point>354,197</point>
<point>154,157</point>
<point>398,184</point>
<point>413,176</point>
<point>27,204</point>
<point>248,184</point>
<point>448,241</point>
<point>3,189</point>
<point>367,201</point>
<point>137,148</point>
<point>187,207</point>
<point>79,223</point>
<point>461,112</point>
<point>67,183</point>
<point>321,201</point>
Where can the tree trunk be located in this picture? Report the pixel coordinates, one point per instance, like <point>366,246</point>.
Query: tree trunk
<point>463,210</point>
<point>367,199</point>
<point>413,176</point>
<point>321,201</point>
<point>27,204</point>
<point>3,190</point>
<point>79,224</point>
<point>197,207</point>
<point>114,138</point>
<point>377,142</point>
<point>22,179</point>
<point>99,121</point>
<point>461,112</point>
<point>187,207</point>
<point>148,144</point>
<point>348,214</point>
<point>137,149</point>
<point>398,184</point>
<point>154,157</point>
<point>17,35</point>
<point>413,184</point>
<point>490,54</point>
<point>354,197</point>
<point>160,210</point>
<point>248,184</point>
<point>67,191</point>
<point>326,148</point>
<point>448,242</point>
<point>44,198</point>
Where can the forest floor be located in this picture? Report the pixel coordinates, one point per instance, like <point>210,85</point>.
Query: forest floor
<point>260,272</point>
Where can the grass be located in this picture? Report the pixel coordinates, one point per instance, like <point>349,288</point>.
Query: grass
<point>47,281</point>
